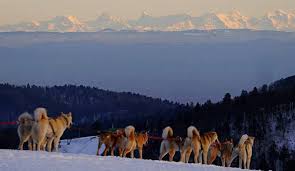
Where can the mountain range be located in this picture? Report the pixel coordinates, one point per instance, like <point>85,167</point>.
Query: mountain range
<point>277,20</point>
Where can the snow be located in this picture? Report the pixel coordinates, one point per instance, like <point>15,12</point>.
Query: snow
<point>277,20</point>
<point>80,154</point>
<point>14,160</point>
<point>85,145</point>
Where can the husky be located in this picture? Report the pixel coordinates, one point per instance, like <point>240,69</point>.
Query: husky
<point>141,140</point>
<point>245,151</point>
<point>172,144</point>
<point>24,130</point>
<point>126,142</point>
<point>40,127</point>
<point>195,144</point>
<point>110,140</point>
<point>206,140</point>
<point>223,150</point>
<point>56,128</point>
<point>107,139</point>
<point>129,141</point>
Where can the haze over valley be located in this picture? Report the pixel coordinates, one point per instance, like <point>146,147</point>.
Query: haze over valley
<point>180,66</point>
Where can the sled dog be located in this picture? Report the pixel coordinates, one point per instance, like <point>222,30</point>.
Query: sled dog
<point>245,151</point>
<point>206,140</point>
<point>126,143</point>
<point>56,128</point>
<point>110,140</point>
<point>195,144</point>
<point>223,150</point>
<point>40,126</point>
<point>141,140</point>
<point>129,141</point>
<point>24,130</point>
<point>172,144</point>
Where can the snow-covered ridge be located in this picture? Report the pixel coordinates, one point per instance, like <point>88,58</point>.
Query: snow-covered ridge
<point>278,20</point>
<point>34,161</point>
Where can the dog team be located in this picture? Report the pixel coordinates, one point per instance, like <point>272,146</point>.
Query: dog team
<point>41,132</point>
<point>205,147</point>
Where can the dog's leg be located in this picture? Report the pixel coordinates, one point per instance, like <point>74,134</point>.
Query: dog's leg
<point>132,154</point>
<point>106,150</point>
<point>248,162</point>
<point>163,154</point>
<point>39,146</point>
<point>182,156</point>
<point>112,151</point>
<point>187,155</point>
<point>163,150</point>
<point>30,143</point>
<point>205,155</point>
<point>240,161</point>
<point>249,155</point>
<point>120,152</point>
<point>171,155</point>
<point>197,155</point>
<point>200,158</point>
<point>140,152</point>
<point>21,143</point>
<point>98,147</point>
<point>126,151</point>
<point>49,144</point>
<point>55,143</point>
<point>44,143</point>
<point>245,160</point>
<point>22,140</point>
<point>223,161</point>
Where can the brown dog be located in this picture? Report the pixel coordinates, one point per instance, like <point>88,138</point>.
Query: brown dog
<point>55,130</point>
<point>172,144</point>
<point>223,150</point>
<point>206,140</point>
<point>111,140</point>
<point>126,143</point>
<point>245,151</point>
<point>24,130</point>
<point>141,140</point>
<point>108,139</point>
<point>195,144</point>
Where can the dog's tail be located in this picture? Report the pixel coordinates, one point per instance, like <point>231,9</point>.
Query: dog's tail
<point>167,132</point>
<point>130,131</point>
<point>192,132</point>
<point>243,139</point>
<point>40,114</point>
<point>24,117</point>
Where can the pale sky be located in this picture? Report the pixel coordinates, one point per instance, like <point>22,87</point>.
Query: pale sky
<point>14,11</point>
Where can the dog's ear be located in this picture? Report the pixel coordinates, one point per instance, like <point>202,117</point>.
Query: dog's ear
<point>231,140</point>
<point>70,113</point>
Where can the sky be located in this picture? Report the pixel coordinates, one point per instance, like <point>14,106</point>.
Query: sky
<point>15,11</point>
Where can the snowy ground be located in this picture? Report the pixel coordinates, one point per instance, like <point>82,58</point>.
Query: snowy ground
<point>85,145</point>
<point>13,160</point>
<point>79,154</point>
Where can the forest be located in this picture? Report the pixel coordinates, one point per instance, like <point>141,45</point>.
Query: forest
<point>265,112</point>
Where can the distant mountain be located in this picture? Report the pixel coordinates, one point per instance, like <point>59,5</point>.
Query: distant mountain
<point>56,24</point>
<point>106,21</point>
<point>278,20</point>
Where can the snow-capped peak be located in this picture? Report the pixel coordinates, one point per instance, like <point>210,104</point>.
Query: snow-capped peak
<point>276,20</point>
<point>35,23</point>
<point>145,14</point>
<point>74,20</point>
<point>234,20</point>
